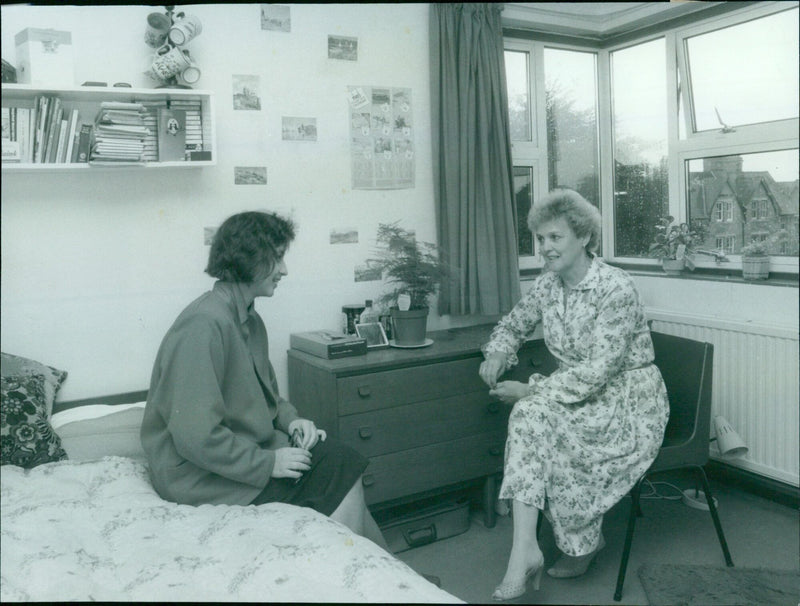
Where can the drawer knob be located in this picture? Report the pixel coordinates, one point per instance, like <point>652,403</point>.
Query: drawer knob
<point>367,480</point>
<point>493,408</point>
<point>365,433</point>
<point>364,391</point>
<point>495,451</point>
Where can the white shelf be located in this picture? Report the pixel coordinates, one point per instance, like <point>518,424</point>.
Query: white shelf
<point>87,100</point>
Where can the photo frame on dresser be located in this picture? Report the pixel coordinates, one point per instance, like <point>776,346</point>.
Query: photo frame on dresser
<point>374,334</point>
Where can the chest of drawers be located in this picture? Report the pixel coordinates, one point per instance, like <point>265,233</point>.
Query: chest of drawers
<point>422,416</point>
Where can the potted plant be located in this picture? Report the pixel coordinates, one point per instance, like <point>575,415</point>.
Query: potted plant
<point>755,260</point>
<point>674,244</point>
<point>415,270</point>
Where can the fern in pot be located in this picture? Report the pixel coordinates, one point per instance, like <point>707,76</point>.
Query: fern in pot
<point>414,270</point>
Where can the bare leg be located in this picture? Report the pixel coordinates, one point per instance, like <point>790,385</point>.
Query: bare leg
<point>525,551</point>
<point>353,513</point>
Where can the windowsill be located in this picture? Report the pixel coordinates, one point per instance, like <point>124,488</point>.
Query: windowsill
<point>729,275</point>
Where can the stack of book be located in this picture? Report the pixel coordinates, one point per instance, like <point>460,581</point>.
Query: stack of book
<point>46,133</point>
<point>119,133</point>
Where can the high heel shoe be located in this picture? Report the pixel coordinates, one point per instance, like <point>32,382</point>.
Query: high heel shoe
<point>514,589</point>
<point>567,567</point>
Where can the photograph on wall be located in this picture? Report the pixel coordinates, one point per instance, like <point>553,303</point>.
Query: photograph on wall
<point>347,235</point>
<point>367,272</point>
<point>381,137</point>
<point>245,92</point>
<point>276,17</point>
<point>250,175</point>
<point>344,48</point>
<point>299,129</point>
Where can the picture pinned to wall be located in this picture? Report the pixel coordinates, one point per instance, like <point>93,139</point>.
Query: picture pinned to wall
<point>367,272</point>
<point>245,92</point>
<point>208,235</point>
<point>347,235</point>
<point>381,136</point>
<point>276,17</point>
<point>250,175</point>
<point>343,48</point>
<point>299,129</point>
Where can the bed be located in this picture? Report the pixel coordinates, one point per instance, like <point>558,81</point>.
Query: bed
<point>80,521</point>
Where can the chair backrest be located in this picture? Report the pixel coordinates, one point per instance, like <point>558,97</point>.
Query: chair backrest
<point>686,366</point>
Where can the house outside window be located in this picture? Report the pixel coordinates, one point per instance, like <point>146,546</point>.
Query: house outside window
<point>698,121</point>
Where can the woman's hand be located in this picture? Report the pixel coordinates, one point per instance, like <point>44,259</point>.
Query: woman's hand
<point>492,368</point>
<point>510,391</point>
<point>304,433</point>
<point>291,462</point>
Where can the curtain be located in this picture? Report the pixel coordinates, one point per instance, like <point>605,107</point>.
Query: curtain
<point>473,179</point>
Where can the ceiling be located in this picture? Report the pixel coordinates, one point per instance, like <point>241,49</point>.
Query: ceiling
<point>594,19</point>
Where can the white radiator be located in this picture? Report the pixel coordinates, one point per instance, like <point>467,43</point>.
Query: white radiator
<point>755,387</point>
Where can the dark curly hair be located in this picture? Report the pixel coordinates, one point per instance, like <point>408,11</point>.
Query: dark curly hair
<point>581,216</point>
<point>247,245</point>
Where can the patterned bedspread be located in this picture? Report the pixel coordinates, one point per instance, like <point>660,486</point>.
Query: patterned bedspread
<point>96,530</point>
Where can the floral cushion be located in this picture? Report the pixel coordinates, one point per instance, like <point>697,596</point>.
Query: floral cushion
<point>12,366</point>
<point>26,437</point>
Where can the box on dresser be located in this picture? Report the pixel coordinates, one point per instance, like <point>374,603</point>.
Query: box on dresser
<point>328,344</point>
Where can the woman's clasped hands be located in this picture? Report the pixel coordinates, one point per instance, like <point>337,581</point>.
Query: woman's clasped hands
<point>292,461</point>
<point>507,391</point>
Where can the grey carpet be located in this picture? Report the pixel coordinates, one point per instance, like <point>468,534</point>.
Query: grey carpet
<point>673,584</point>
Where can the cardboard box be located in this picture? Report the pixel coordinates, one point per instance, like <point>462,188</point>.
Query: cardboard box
<point>45,57</point>
<point>328,344</point>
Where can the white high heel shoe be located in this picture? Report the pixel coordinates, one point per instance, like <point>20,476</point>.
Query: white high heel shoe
<point>514,589</point>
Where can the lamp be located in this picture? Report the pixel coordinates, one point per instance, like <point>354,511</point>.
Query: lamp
<point>729,442</point>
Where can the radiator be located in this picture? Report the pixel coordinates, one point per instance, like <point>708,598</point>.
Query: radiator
<point>755,387</point>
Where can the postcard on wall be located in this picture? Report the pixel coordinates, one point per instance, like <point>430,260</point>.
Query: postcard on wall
<point>250,175</point>
<point>344,235</point>
<point>344,48</point>
<point>276,17</point>
<point>381,136</point>
<point>298,129</point>
<point>245,92</point>
<point>171,135</point>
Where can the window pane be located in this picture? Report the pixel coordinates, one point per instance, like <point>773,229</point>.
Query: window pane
<point>571,110</point>
<point>741,198</point>
<point>639,99</point>
<point>748,72</point>
<point>523,186</point>
<point>519,103</point>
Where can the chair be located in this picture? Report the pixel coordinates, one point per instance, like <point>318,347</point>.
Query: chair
<point>686,366</point>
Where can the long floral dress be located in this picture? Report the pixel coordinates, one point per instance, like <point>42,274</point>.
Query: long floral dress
<point>585,434</point>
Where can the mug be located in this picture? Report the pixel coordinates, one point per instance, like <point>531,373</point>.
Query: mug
<point>184,29</point>
<point>158,25</point>
<point>192,73</point>
<point>168,62</point>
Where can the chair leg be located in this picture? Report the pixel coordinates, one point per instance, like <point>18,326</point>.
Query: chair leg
<point>712,509</point>
<point>626,550</point>
<point>539,525</point>
<point>489,498</point>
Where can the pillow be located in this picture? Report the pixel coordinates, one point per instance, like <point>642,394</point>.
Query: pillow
<point>100,430</point>
<point>26,437</point>
<point>11,365</point>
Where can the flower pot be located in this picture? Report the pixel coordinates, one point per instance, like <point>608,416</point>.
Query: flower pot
<point>673,267</point>
<point>755,267</point>
<point>410,326</point>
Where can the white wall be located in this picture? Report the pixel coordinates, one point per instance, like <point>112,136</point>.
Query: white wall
<point>97,264</point>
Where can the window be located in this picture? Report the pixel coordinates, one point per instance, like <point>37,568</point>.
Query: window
<point>699,122</point>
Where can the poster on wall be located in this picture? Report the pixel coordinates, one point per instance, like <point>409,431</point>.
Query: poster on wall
<point>381,135</point>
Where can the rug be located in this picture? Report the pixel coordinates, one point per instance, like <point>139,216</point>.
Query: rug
<point>672,584</point>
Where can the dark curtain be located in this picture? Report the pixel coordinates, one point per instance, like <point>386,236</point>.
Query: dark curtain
<point>472,170</point>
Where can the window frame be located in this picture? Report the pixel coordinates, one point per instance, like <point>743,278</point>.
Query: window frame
<point>747,139</point>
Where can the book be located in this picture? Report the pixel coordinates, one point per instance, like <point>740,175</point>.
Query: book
<point>41,116</point>
<point>84,143</point>
<point>10,147</point>
<point>73,128</point>
<point>55,131</point>
<point>46,130</point>
<point>62,141</point>
<point>171,134</point>
<point>24,133</point>
<point>328,344</point>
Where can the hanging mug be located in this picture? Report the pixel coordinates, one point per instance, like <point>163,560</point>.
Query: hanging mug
<point>158,25</point>
<point>169,61</point>
<point>184,29</point>
<point>191,74</point>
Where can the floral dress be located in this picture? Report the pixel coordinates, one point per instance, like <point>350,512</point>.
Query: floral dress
<point>584,435</point>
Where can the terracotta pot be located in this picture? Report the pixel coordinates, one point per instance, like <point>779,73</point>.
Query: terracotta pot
<point>755,267</point>
<point>673,267</point>
<point>409,326</point>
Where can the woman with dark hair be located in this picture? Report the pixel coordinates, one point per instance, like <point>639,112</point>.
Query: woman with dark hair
<point>215,429</point>
<point>579,439</point>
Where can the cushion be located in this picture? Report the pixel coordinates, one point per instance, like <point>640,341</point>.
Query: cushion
<point>100,430</point>
<point>26,437</point>
<point>11,365</point>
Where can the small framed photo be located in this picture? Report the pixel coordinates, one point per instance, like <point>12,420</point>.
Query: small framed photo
<point>374,334</point>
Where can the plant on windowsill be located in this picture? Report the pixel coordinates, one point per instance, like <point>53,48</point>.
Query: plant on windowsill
<point>755,260</point>
<point>674,244</point>
<point>416,270</point>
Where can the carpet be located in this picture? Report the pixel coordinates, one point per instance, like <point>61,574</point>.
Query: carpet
<point>672,584</point>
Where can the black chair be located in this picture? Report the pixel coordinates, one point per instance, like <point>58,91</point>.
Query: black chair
<point>686,366</point>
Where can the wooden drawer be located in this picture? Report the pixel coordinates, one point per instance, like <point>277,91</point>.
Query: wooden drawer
<point>402,427</point>
<point>411,471</point>
<point>390,388</point>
